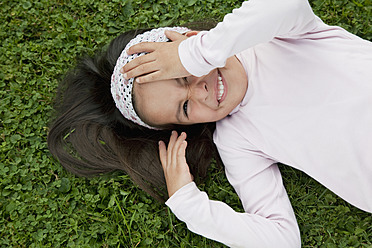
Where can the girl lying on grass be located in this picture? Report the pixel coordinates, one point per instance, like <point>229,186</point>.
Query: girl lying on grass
<point>272,82</point>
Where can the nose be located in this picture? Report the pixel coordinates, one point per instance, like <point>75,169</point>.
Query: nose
<point>199,91</point>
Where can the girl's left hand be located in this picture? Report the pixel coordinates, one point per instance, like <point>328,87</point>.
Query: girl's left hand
<point>173,160</point>
<point>161,63</point>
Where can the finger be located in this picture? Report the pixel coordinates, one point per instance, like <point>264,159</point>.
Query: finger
<point>176,147</point>
<point>173,35</point>
<point>181,161</point>
<point>181,154</point>
<point>142,70</point>
<point>151,77</point>
<point>147,47</point>
<point>172,140</point>
<point>136,62</point>
<point>163,154</point>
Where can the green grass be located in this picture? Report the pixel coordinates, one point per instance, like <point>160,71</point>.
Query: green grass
<point>41,205</point>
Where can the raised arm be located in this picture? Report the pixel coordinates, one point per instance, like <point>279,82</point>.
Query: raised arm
<point>255,22</point>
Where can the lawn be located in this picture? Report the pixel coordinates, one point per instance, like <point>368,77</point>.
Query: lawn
<point>42,205</point>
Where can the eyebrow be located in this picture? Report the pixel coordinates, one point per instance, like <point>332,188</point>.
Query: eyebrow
<point>178,114</point>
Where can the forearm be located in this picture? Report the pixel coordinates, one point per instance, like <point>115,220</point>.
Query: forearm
<point>255,22</point>
<point>216,220</point>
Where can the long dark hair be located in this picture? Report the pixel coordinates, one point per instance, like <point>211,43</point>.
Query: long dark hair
<point>89,136</point>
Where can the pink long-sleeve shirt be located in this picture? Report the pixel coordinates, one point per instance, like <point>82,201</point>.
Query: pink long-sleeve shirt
<point>308,105</point>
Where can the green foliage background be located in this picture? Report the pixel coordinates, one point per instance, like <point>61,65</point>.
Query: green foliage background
<point>41,205</point>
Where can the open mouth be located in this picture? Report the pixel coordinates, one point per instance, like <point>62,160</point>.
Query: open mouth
<point>220,88</point>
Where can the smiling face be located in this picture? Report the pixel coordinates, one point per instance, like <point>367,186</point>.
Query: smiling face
<point>193,99</point>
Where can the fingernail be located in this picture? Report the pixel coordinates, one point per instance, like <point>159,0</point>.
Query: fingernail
<point>125,75</point>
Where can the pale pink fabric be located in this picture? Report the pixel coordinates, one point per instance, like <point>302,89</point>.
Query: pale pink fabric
<point>308,105</point>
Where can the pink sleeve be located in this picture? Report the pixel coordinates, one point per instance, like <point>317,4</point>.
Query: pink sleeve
<point>268,220</point>
<point>256,21</point>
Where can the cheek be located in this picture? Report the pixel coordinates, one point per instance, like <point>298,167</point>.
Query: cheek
<point>201,114</point>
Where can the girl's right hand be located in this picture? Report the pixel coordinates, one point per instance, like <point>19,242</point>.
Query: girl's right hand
<point>176,171</point>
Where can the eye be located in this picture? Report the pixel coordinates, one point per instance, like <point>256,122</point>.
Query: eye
<point>185,78</point>
<point>185,108</point>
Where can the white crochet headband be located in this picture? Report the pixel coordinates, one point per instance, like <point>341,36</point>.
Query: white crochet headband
<point>121,89</point>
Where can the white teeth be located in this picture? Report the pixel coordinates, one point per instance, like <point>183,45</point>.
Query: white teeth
<point>220,88</point>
